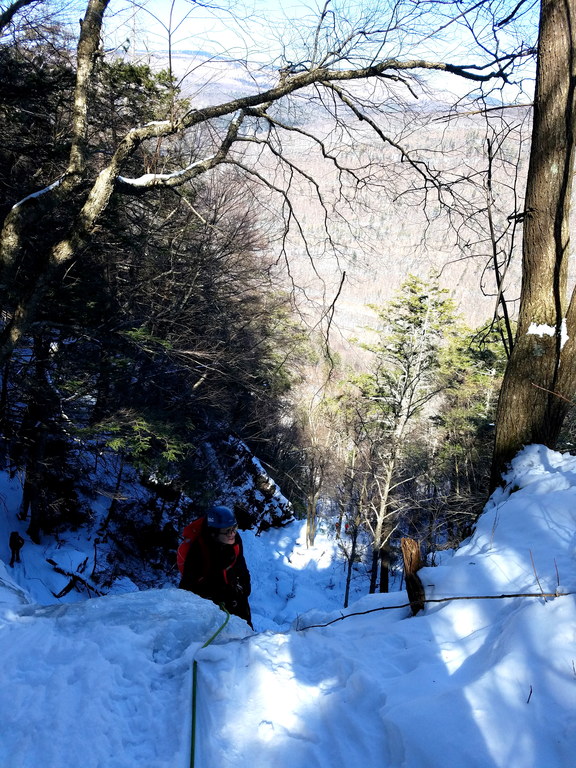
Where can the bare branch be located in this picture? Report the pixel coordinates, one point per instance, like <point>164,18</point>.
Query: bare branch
<point>7,15</point>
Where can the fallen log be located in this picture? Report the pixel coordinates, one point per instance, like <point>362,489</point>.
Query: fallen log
<point>75,579</point>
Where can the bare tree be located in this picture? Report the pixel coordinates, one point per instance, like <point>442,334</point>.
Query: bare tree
<point>341,55</point>
<point>8,14</point>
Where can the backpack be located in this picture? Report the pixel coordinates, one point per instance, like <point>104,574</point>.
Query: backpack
<point>190,534</point>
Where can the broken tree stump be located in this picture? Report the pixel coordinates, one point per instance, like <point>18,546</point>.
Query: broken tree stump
<point>412,564</point>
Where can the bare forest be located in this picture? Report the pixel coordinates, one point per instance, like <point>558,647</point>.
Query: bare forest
<point>382,225</point>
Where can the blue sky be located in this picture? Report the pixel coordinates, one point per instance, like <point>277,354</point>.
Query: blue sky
<point>271,32</point>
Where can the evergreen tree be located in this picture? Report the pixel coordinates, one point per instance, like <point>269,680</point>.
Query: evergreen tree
<point>449,462</point>
<point>409,369</point>
<point>166,332</point>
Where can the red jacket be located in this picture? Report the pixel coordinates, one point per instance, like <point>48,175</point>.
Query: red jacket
<point>218,572</point>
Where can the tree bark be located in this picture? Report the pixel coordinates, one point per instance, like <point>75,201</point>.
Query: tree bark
<point>385,558</point>
<point>412,564</point>
<point>351,561</point>
<point>540,378</point>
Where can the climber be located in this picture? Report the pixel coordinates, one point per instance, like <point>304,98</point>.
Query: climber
<point>16,543</point>
<point>215,567</point>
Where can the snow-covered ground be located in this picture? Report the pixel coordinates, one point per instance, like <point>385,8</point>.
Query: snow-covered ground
<point>483,682</point>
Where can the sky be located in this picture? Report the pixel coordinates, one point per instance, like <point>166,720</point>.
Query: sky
<point>483,677</point>
<point>226,27</point>
<point>258,34</point>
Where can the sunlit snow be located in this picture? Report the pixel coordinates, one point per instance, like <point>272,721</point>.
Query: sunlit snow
<point>485,681</point>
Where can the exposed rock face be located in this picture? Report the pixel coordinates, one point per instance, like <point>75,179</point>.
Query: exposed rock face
<point>250,491</point>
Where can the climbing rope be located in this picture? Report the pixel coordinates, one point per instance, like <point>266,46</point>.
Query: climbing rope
<point>195,686</point>
<point>437,600</point>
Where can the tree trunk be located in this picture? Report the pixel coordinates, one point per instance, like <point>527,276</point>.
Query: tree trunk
<point>103,529</point>
<point>540,378</point>
<point>5,425</point>
<point>374,571</point>
<point>351,559</point>
<point>311,520</point>
<point>412,564</point>
<point>23,215</point>
<point>385,568</point>
<point>380,569</point>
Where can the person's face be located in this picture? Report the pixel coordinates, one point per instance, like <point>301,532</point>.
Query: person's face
<point>227,535</point>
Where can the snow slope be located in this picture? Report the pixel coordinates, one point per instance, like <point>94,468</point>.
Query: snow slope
<point>486,682</point>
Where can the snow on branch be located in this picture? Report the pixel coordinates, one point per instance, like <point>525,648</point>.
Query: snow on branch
<point>39,193</point>
<point>176,178</point>
<point>153,179</point>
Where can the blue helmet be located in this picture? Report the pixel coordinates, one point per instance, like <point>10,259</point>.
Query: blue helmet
<point>219,516</point>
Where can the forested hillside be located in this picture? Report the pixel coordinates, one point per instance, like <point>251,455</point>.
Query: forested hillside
<point>289,286</point>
